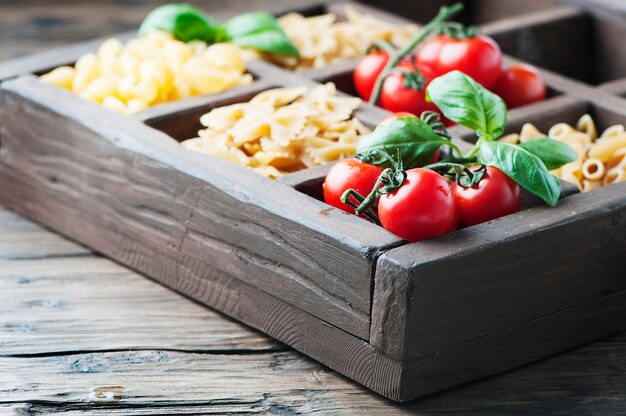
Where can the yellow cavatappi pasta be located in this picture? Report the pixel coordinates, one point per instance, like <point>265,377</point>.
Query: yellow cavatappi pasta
<point>601,160</point>
<point>326,39</point>
<point>282,130</point>
<point>151,70</point>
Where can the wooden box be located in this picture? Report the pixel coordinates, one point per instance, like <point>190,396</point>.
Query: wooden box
<point>402,319</point>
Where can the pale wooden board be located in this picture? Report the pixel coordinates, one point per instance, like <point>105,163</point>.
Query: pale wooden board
<point>92,304</point>
<point>23,239</point>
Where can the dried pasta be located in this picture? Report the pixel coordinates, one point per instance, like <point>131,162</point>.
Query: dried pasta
<point>601,159</point>
<point>282,130</point>
<point>151,70</point>
<point>326,39</point>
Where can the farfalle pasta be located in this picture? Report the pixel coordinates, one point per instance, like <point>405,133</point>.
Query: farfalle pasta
<point>601,158</point>
<point>282,130</point>
<point>326,39</point>
<point>151,70</point>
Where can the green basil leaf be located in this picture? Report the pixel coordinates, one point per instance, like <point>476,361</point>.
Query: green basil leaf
<point>268,41</point>
<point>464,101</point>
<point>410,137</point>
<point>553,153</point>
<point>249,23</point>
<point>260,31</point>
<point>182,20</point>
<point>523,167</point>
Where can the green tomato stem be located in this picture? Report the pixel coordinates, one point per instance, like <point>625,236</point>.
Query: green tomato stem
<point>444,14</point>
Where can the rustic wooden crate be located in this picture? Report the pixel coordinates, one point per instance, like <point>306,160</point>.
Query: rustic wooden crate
<point>578,43</point>
<point>403,319</point>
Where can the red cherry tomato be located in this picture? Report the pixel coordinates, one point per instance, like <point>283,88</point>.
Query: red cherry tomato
<point>397,97</point>
<point>366,72</point>
<point>423,207</point>
<point>520,85</point>
<point>494,196</point>
<point>479,57</point>
<point>346,174</point>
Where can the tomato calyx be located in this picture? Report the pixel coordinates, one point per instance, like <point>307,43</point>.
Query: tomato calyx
<point>412,78</point>
<point>388,181</point>
<point>458,170</point>
<point>458,30</point>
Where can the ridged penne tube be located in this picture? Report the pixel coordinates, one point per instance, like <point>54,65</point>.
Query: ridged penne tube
<point>529,132</point>
<point>572,169</point>
<point>576,137</point>
<point>593,169</point>
<point>588,126</point>
<point>590,185</point>
<point>616,130</point>
<point>614,175</point>
<point>560,131</point>
<point>605,147</point>
<point>618,159</point>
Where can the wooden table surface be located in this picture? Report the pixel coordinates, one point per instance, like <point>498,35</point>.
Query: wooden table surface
<point>80,334</point>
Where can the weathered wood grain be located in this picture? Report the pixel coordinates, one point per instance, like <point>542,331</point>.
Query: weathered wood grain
<point>499,274</point>
<point>146,183</point>
<point>88,303</point>
<point>580,380</point>
<point>21,239</point>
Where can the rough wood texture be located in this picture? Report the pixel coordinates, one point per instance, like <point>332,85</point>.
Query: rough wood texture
<point>515,269</point>
<point>590,380</point>
<point>148,184</point>
<point>282,262</point>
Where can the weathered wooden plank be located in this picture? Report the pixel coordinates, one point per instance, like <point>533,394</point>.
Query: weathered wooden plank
<point>70,305</point>
<point>21,239</point>
<point>126,381</point>
<point>499,274</point>
<point>146,183</point>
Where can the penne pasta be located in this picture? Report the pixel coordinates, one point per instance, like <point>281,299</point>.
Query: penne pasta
<point>601,160</point>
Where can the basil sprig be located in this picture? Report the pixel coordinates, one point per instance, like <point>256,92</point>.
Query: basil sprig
<point>255,30</point>
<point>260,31</point>
<point>409,138</point>
<point>182,20</point>
<point>523,167</point>
<point>553,153</point>
<point>463,100</point>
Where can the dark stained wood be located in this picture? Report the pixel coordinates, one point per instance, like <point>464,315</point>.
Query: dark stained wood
<point>499,274</point>
<point>580,44</point>
<point>588,380</point>
<point>272,257</point>
<point>183,199</point>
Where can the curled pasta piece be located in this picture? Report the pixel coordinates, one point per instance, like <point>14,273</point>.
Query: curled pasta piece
<point>614,175</point>
<point>593,169</point>
<point>616,130</point>
<point>605,147</point>
<point>560,131</point>
<point>529,132</point>
<point>618,159</point>
<point>588,126</point>
<point>590,185</point>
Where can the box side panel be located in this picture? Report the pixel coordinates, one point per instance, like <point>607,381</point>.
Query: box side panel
<point>493,276</point>
<point>230,221</point>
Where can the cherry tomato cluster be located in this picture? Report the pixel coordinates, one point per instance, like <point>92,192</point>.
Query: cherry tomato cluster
<point>426,205</point>
<point>477,56</point>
